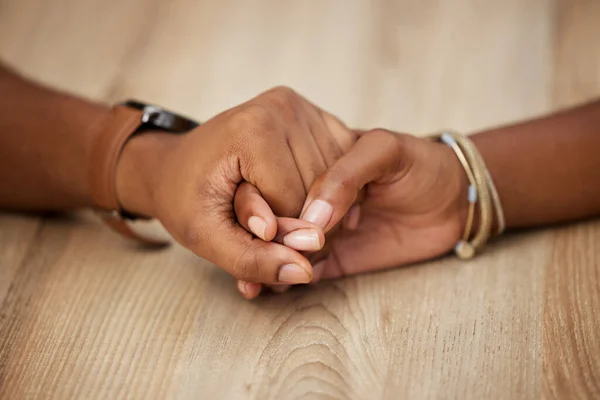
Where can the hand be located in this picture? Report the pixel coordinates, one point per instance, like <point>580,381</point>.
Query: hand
<point>414,205</point>
<point>273,147</point>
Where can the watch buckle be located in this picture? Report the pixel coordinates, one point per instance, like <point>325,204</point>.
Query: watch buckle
<point>150,113</point>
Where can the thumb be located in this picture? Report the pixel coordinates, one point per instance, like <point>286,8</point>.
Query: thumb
<point>379,156</point>
<point>228,245</point>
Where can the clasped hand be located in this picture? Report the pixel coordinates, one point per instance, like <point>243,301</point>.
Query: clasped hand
<point>277,191</point>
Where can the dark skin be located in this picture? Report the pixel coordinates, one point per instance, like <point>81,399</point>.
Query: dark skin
<point>414,205</point>
<point>546,171</point>
<point>43,136</point>
<point>278,142</point>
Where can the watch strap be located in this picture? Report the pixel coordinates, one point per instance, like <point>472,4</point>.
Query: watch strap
<point>122,123</point>
<point>125,228</point>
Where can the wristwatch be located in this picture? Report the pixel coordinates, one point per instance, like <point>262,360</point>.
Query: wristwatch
<point>126,120</point>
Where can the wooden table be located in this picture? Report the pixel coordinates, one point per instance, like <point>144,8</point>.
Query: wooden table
<point>85,315</point>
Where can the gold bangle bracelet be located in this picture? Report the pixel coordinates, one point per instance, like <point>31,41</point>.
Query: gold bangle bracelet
<point>472,191</point>
<point>476,171</point>
<point>499,212</point>
<point>481,190</point>
<point>484,198</point>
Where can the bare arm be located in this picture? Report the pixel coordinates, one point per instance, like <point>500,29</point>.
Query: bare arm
<point>45,140</point>
<point>188,182</point>
<point>415,204</point>
<point>547,170</point>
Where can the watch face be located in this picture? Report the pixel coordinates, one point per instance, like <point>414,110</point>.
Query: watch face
<point>157,117</point>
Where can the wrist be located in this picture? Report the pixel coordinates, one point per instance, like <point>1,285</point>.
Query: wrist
<point>138,172</point>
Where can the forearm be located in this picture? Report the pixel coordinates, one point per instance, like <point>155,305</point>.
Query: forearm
<point>45,142</point>
<point>546,170</point>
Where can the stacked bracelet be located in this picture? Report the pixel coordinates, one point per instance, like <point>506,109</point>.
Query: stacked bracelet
<point>482,192</point>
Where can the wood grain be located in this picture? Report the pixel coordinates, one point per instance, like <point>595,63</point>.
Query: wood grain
<point>84,314</point>
<point>571,334</point>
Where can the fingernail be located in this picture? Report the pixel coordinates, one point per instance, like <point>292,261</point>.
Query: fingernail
<point>258,226</point>
<point>292,273</point>
<point>241,285</point>
<point>303,240</point>
<point>319,213</point>
<point>249,289</point>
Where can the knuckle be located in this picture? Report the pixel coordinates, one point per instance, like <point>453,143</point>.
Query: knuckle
<point>340,176</point>
<point>251,119</point>
<point>395,149</point>
<point>344,136</point>
<point>391,143</point>
<point>284,100</point>
<point>246,267</point>
<point>283,93</point>
<point>383,136</point>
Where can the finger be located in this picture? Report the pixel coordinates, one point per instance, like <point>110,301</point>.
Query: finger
<point>249,290</point>
<point>377,156</point>
<point>328,268</point>
<point>309,158</point>
<point>287,228</point>
<point>235,250</point>
<point>253,212</point>
<point>267,162</point>
<point>292,232</point>
<point>279,288</point>
<point>331,136</point>
<point>344,137</point>
<point>299,235</point>
<point>314,143</point>
<point>279,182</point>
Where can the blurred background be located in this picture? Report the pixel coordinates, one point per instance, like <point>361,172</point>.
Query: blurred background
<point>409,65</point>
<point>81,321</point>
